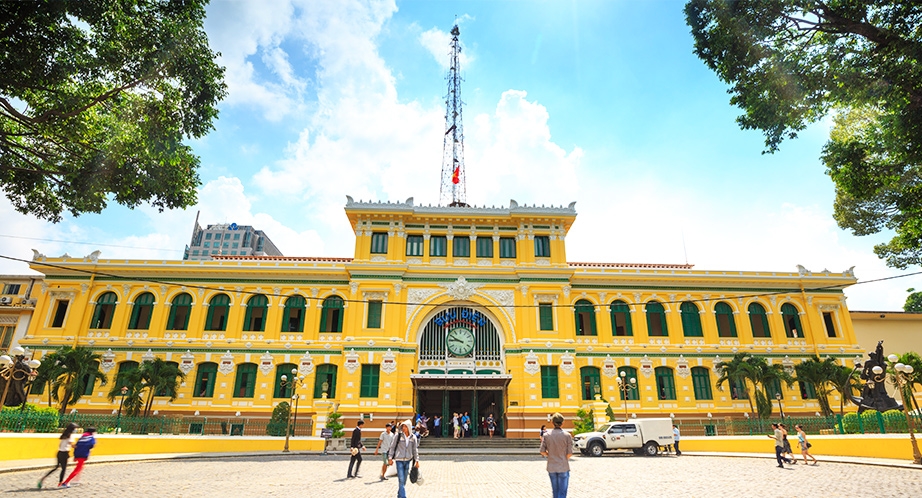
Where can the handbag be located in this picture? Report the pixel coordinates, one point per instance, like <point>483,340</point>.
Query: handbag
<point>354,451</point>
<point>414,473</point>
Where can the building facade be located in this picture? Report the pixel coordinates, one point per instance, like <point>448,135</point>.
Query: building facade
<point>228,239</point>
<point>17,300</point>
<point>442,310</point>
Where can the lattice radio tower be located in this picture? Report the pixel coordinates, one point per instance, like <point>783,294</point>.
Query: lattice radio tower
<point>453,190</point>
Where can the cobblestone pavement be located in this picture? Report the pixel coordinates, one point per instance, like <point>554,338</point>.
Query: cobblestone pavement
<point>476,477</point>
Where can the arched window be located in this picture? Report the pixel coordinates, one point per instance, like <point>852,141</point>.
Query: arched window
<point>245,383</point>
<point>630,373</point>
<point>325,381</point>
<point>218,308</point>
<point>105,308</point>
<point>701,381</point>
<point>592,382</point>
<point>691,319</point>
<point>585,318</point>
<point>204,380</point>
<point>124,370</point>
<point>791,319</point>
<point>168,389</point>
<point>759,321</point>
<point>726,325</point>
<point>284,369</point>
<point>331,315</point>
<point>656,319</point>
<point>620,319</point>
<point>293,321</point>
<point>180,309</point>
<point>665,383</point>
<point>255,318</point>
<point>141,312</point>
<point>88,382</point>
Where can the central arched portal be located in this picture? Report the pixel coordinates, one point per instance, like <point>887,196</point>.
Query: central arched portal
<point>461,368</point>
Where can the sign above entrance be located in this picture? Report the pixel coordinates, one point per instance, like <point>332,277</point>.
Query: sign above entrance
<point>462,315</point>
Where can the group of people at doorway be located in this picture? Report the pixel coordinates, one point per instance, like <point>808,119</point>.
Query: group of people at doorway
<point>460,424</point>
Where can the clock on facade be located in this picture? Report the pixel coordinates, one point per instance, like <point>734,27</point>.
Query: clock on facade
<point>460,341</point>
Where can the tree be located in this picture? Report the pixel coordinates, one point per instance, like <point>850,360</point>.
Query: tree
<point>765,375</point>
<point>152,378</point>
<point>335,424</point>
<point>910,358</point>
<point>818,373</point>
<point>790,63</point>
<point>47,372</point>
<point>845,380</point>
<point>583,421</point>
<point>77,368</point>
<point>96,98</point>
<point>737,371</point>
<point>278,423</point>
<point>913,301</point>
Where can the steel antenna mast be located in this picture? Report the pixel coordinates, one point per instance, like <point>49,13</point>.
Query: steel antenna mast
<point>453,191</point>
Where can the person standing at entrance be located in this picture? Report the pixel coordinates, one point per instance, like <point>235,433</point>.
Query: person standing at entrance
<point>384,444</point>
<point>356,447</point>
<point>456,424</point>
<point>437,425</point>
<point>403,453</point>
<point>557,447</point>
<point>466,425</point>
<point>491,424</point>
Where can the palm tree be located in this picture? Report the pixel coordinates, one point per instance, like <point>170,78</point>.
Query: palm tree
<point>78,366</point>
<point>765,375</point>
<point>845,381</point>
<point>47,372</point>
<point>819,374</point>
<point>910,358</point>
<point>157,377</point>
<point>737,371</point>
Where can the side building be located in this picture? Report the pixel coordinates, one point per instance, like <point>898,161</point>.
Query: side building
<point>228,239</point>
<point>18,297</point>
<point>442,310</point>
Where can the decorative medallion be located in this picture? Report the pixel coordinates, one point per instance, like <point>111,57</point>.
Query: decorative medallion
<point>461,289</point>
<point>681,367</point>
<point>389,362</point>
<point>646,366</point>
<point>609,369</point>
<point>227,363</point>
<point>265,363</point>
<point>352,361</point>
<point>531,363</point>
<point>416,297</point>
<point>187,362</point>
<point>306,364</point>
<point>788,365</point>
<point>108,361</point>
<point>148,356</point>
<point>566,363</point>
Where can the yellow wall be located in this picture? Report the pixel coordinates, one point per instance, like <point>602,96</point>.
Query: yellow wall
<point>894,446</point>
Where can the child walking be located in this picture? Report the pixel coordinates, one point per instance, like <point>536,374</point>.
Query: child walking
<point>63,454</point>
<point>81,453</point>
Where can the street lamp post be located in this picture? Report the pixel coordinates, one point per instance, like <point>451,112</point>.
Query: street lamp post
<point>780,407</point>
<point>15,368</point>
<point>118,418</point>
<point>903,378</point>
<point>294,384</point>
<point>625,386</point>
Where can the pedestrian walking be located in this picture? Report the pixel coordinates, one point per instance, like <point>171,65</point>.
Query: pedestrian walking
<point>81,453</point>
<point>789,453</point>
<point>356,447</point>
<point>491,424</point>
<point>675,437</point>
<point>804,444</point>
<point>64,445</point>
<point>403,453</point>
<point>384,444</point>
<point>542,433</point>
<point>557,447</point>
<point>779,445</point>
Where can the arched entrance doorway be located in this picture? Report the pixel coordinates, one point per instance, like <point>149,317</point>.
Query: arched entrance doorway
<point>461,368</point>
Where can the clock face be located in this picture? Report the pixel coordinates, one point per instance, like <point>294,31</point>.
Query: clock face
<point>460,341</point>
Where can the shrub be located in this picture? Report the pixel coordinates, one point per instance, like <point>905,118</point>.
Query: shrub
<point>583,422</point>
<point>278,424</point>
<point>334,424</point>
<point>850,423</point>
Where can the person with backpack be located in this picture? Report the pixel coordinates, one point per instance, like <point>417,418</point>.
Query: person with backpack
<point>63,454</point>
<point>81,453</point>
<point>404,452</point>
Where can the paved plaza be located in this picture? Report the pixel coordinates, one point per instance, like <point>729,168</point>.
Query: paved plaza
<point>476,477</point>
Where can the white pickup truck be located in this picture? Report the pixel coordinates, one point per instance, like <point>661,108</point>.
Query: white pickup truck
<point>643,436</point>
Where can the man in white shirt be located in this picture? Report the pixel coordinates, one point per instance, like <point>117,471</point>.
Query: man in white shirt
<point>384,444</point>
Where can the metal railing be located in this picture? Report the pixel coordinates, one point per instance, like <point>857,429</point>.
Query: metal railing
<point>869,422</point>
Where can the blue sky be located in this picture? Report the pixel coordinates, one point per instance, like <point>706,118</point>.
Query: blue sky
<point>602,103</point>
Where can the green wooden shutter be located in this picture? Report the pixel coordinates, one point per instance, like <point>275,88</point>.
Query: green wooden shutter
<point>370,381</point>
<point>546,313</point>
<point>549,382</point>
<point>374,315</point>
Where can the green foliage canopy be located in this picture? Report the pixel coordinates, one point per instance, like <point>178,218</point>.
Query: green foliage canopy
<point>790,63</point>
<point>96,98</point>
<point>913,301</point>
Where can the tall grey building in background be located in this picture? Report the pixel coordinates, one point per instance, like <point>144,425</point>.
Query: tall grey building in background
<point>228,239</point>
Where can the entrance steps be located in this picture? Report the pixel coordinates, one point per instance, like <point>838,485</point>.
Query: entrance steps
<point>479,446</point>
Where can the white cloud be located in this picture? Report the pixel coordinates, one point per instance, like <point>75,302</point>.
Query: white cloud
<point>438,43</point>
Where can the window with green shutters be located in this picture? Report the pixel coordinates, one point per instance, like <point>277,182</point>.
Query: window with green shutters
<point>438,245</point>
<point>726,325</point>
<point>326,374</point>
<point>89,380</point>
<point>484,247</point>
<point>180,309</point>
<point>585,318</point>
<point>331,314</point>
<point>656,319</point>
<point>738,389</point>
<point>759,321</point>
<point>791,318</point>
<point>630,373</point>
<point>205,379</point>
<point>124,370</point>
<point>546,316</point>
<point>549,382</point>
<point>293,320</point>
<point>592,382</point>
<point>542,246</point>
<point>141,312</point>
<point>807,390</point>
<point>701,381</point>
<point>414,245</point>
<point>374,315</point>
<point>105,308</point>
<point>245,383</point>
<point>283,369</point>
<point>461,247</point>
<point>379,243</point>
<point>165,390</point>
<point>773,386</point>
<point>370,376</point>
<point>620,319</point>
<point>218,308</point>
<point>691,320</point>
<point>255,318</point>
<point>507,247</point>
<point>665,383</point>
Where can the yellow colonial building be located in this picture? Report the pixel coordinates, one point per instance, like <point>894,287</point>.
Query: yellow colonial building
<point>442,309</point>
